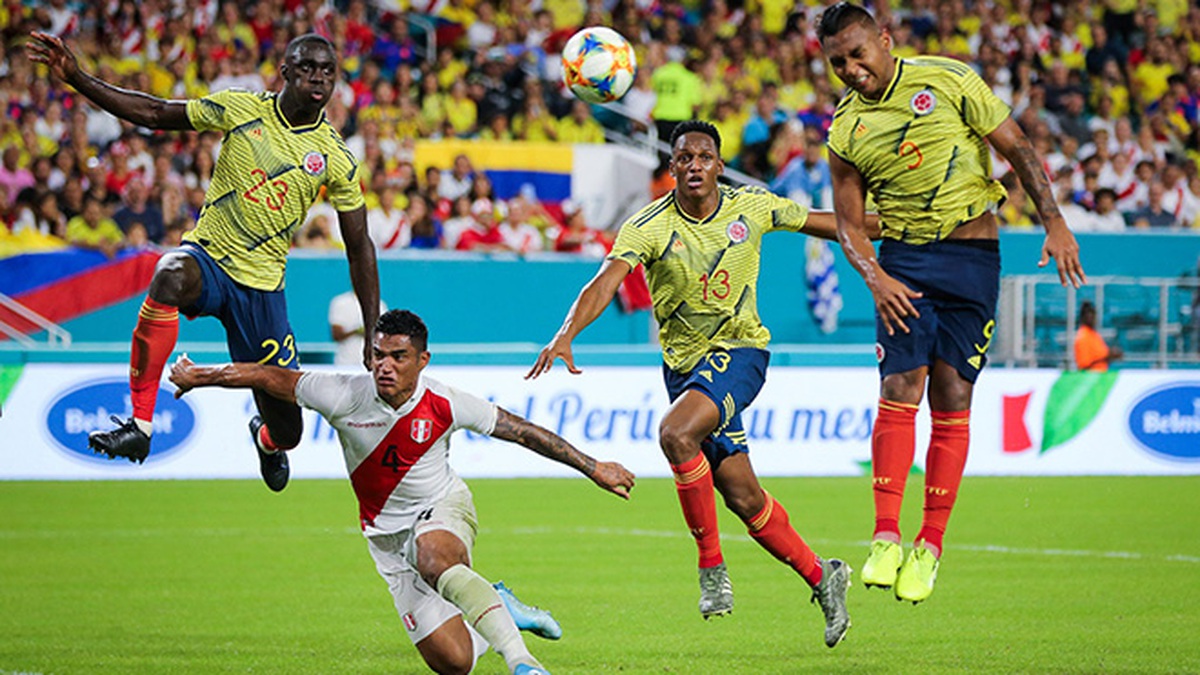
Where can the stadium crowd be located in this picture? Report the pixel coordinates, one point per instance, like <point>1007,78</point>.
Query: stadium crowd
<point>1108,91</point>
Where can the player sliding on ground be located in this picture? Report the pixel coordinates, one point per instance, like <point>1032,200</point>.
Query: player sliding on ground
<point>914,133</point>
<point>277,152</point>
<point>394,426</point>
<point>701,246</point>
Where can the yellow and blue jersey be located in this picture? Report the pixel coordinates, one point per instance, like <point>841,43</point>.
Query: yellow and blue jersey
<point>703,275</point>
<point>268,174</point>
<point>921,148</point>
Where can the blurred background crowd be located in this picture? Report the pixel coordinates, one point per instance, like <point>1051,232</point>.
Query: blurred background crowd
<point>1109,93</point>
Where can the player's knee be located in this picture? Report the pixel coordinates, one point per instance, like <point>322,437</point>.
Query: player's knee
<point>176,280</point>
<point>285,436</point>
<point>903,387</point>
<point>745,504</point>
<point>678,444</point>
<point>452,658</point>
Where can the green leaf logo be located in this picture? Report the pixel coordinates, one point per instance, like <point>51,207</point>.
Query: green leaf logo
<point>1075,400</point>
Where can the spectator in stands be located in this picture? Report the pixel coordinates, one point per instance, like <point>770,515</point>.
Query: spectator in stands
<point>425,230</point>
<point>484,235</point>
<point>677,89</point>
<point>346,329</point>
<point>386,222</point>
<point>578,237</point>
<point>94,230</point>
<point>13,176</point>
<point>457,180</point>
<point>534,122</point>
<point>580,126</point>
<point>1152,214</point>
<point>1106,218</point>
<point>136,208</point>
<point>459,221</point>
<point>48,220</point>
<point>1092,353</point>
<point>519,233</point>
<point>806,179</point>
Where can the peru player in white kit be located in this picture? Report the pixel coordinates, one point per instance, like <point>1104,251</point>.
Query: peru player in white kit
<point>394,426</point>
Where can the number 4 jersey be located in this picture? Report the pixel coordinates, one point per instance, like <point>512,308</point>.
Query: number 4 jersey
<point>267,175</point>
<point>703,275</point>
<point>398,459</point>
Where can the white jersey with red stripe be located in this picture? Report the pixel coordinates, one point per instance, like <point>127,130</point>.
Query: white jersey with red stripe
<point>398,459</point>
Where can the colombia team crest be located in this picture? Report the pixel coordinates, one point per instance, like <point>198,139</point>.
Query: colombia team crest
<point>923,102</point>
<point>314,163</point>
<point>737,232</point>
<point>422,430</point>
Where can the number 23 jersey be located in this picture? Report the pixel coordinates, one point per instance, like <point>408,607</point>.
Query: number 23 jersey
<point>267,175</point>
<point>703,275</point>
<point>398,459</point>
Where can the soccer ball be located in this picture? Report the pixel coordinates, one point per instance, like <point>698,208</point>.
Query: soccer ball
<point>598,64</point>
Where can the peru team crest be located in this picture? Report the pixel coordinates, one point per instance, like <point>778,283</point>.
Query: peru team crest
<point>422,430</point>
<point>923,102</point>
<point>737,232</point>
<point>314,163</point>
<point>410,621</point>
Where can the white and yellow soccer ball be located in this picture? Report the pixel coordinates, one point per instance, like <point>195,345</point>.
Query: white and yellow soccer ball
<point>598,64</point>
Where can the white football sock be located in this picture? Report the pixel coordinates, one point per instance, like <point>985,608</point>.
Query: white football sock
<point>484,611</point>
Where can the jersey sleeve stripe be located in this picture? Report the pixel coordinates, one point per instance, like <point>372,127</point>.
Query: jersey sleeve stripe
<point>651,211</point>
<point>895,81</point>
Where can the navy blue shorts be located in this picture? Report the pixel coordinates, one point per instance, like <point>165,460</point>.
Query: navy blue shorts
<point>961,283</point>
<point>256,323</point>
<point>731,379</point>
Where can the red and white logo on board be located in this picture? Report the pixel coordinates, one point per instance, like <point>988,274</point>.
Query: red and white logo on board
<point>410,622</point>
<point>314,163</point>
<point>923,102</point>
<point>422,430</point>
<point>737,232</point>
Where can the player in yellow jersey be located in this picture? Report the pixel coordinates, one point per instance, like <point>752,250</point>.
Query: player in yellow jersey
<point>278,152</point>
<point>914,133</point>
<point>701,247</point>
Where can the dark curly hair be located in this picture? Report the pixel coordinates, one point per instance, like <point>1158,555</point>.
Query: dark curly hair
<point>696,126</point>
<point>404,322</point>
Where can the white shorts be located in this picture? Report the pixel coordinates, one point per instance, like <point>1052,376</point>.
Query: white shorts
<point>420,607</point>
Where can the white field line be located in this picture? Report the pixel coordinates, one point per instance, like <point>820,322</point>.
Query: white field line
<point>985,548</point>
<point>216,532</point>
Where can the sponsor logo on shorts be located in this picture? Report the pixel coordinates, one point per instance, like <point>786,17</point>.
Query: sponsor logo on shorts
<point>85,408</point>
<point>737,232</point>
<point>314,163</point>
<point>410,621</point>
<point>880,353</point>
<point>923,102</point>
<point>1166,421</point>
<point>422,429</point>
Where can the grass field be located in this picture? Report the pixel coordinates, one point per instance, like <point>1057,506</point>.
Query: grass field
<point>1064,575</point>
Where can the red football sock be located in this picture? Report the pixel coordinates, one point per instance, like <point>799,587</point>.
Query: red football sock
<point>772,530</point>
<point>948,443</point>
<point>893,443</point>
<point>264,439</point>
<point>694,483</point>
<point>153,339</point>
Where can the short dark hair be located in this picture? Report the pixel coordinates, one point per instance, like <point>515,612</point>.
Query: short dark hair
<point>841,16</point>
<point>306,38</point>
<point>404,322</point>
<point>696,127</point>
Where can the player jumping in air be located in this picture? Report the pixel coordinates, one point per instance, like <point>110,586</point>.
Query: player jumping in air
<point>701,246</point>
<point>278,151</point>
<point>915,133</point>
<point>416,513</point>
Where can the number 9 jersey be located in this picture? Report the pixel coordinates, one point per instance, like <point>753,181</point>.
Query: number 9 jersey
<point>703,275</point>
<point>267,176</point>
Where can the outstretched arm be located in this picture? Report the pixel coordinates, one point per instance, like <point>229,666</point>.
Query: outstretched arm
<point>823,225</point>
<point>1010,141</point>
<point>592,300</point>
<point>610,476</point>
<point>893,300</point>
<point>134,106</point>
<point>278,382</point>
<point>364,273</point>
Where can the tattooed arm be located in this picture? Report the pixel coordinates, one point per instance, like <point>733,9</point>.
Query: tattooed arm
<point>610,476</point>
<point>1010,141</point>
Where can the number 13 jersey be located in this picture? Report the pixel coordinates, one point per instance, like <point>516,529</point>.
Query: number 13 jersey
<point>398,459</point>
<point>703,275</point>
<point>267,175</point>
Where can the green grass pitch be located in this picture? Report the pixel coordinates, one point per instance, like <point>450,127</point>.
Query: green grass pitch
<point>1062,575</point>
